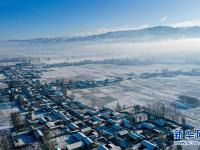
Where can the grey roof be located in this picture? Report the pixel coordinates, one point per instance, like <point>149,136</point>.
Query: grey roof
<point>136,135</point>
<point>86,129</point>
<point>38,133</point>
<point>79,135</point>
<point>123,132</point>
<point>75,145</point>
<point>87,141</point>
<point>148,145</point>
<point>73,126</point>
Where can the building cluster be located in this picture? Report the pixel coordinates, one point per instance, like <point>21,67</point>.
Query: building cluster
<point>49,120</point>
<point>83,84</point>
<point>170,73</point>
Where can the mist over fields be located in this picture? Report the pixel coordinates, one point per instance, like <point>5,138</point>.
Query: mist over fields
<point>160,43</point>
<point>181,48</point>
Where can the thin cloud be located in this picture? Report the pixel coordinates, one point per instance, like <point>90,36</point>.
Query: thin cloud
<point>163,19</point>
<point>188,23</point>
<point>105,30</point>
<point>142,26</point>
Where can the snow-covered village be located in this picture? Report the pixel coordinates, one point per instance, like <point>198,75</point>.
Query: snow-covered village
<point>36,114</point>
<point>99,75</point>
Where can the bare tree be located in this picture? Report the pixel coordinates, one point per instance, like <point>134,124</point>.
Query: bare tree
<point>72,96</point>
<point>160,110</point>
<point>161,140</point>
<point>179,147</point>
<point>94,102</point>
<point>4,143</point>
<point>47,143</point>
<point>63,87</point>
<point>136,109</point>
<point>15,118</point>
<point>118,106</point>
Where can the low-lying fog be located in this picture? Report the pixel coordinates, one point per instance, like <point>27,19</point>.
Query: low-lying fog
<point>172,49</point>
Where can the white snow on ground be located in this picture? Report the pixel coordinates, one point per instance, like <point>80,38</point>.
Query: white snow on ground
<point>101,72</point>
<point>2,76</point>
<point>5,111</point>
<point>2,85</point>
<point>131,92</point>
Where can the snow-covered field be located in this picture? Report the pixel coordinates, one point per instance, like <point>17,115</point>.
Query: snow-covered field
<point>131,92</point>
<point>2,85</point>
<point>5,111</point>
<point>100,72</point>
<point>2,76</point>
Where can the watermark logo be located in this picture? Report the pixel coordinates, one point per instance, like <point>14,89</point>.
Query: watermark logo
<point>187,137</point>
<point>184,142</point>
<point>178,134</point>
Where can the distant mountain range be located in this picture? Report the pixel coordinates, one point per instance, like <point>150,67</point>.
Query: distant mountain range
<point>139,35</point>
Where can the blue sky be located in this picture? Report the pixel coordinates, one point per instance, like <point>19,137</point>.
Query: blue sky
<point>24,19</point>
